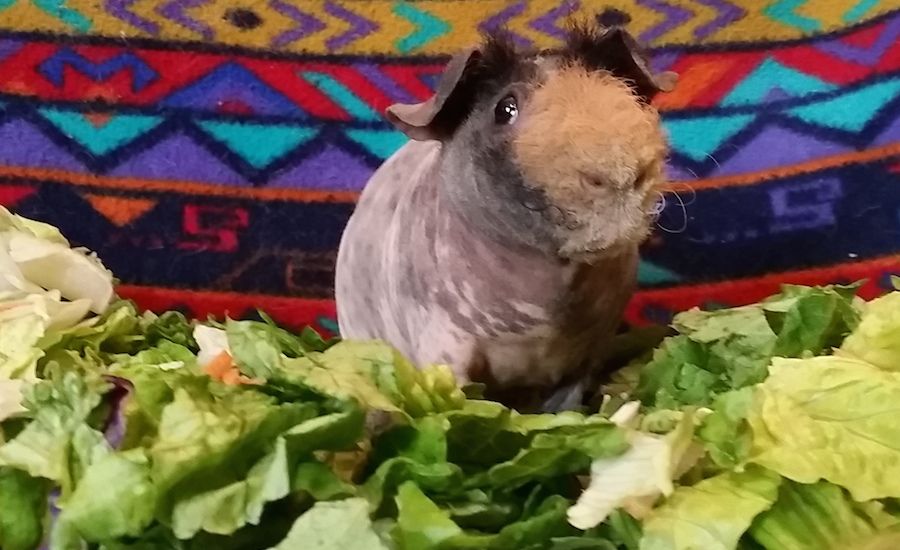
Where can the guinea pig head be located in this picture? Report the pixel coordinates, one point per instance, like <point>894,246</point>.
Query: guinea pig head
<point>558,150</point>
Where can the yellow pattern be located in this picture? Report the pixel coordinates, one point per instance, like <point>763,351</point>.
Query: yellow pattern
<point>464,17</point>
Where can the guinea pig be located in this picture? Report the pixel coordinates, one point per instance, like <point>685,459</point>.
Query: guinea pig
<point>502,240</point>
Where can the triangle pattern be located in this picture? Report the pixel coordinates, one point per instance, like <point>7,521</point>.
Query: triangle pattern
<point>699,137</point>
<point>331,168</point>
<point>194,162</point>
<point>381,143</point>
<point>121,211</point>
<point>246,139</point>
<point>850,111</point>
<point>232,83</point>
<point>11,195</point>
<point>756,86</point>
<point>119,130</point>
<point>24,144</point>
<point>778,146</point>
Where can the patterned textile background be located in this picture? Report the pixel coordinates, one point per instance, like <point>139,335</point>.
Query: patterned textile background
<point>211,151</point>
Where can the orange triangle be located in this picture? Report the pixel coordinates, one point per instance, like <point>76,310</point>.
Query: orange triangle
<point>98,120</point>
<point>120,210</point>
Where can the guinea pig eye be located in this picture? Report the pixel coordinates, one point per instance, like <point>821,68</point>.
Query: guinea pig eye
<point>506,111</point>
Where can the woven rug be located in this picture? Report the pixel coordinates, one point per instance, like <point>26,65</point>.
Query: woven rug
<point>211,151</point>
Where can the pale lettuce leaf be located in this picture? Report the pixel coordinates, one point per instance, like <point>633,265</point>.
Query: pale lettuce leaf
<point>831,418</point>
<point>877,338</point>
<point>713,514</point>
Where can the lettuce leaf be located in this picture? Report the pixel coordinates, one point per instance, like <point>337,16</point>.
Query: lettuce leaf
<point>23,505</point>
<point>718,351</point>
<point>551,455</point>
<point>811,319</point>
<point>638,476</point>
<point>226,509</point>
<point>339,525</point>
<point>115,498</point>
<point>713,514</point>
<point>11,398</point>
<point>725,432</point>
<point>35,256</point>
<point>423,525</point>
<point>820,516</point>
<point>877,338</point>
<point>59,442</point>
<point>830,418</point>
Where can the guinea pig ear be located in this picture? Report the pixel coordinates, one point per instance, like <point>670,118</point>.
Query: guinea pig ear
<point>437,117</point>
<point>616,51</point>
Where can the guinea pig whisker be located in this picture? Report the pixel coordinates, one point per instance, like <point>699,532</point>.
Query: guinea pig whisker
<point>684,216</point>
<point>658,206</point>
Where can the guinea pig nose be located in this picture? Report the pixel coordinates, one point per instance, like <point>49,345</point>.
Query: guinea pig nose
<point>594,180</point>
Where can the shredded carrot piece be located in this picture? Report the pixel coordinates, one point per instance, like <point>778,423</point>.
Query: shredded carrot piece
<point>218,367</point>
<point>223,369</point>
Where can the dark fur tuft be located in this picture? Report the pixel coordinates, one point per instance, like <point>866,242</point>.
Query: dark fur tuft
<point>610,49</point>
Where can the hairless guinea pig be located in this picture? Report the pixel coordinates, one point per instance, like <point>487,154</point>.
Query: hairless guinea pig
<point>503,239</point>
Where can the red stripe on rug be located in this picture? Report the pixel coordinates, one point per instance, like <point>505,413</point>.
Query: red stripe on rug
<point>291,312</point>
<point>654,306</point>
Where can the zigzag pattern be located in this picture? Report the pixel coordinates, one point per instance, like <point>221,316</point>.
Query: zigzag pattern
<point>134,76</point>
<point>304,153</point>
<point>386,26</point>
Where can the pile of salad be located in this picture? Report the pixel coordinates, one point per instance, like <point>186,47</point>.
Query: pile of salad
<point>775,426</point>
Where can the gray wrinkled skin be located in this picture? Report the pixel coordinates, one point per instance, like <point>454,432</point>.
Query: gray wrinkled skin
<point>414,272</point>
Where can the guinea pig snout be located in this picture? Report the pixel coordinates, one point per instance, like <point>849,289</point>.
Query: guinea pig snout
<point>586,132</point>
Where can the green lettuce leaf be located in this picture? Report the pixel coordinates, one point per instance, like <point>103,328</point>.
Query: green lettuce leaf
<point>207,442</point>
<point>811,319</point>
<point>374,375</point>
<point>226,509</point>
<point>713,514</point>
<point>877,338</point>
<point>254,347</point>
<point>320,482</point>
<point>718,351</point>
<point>830,418</point>
<point>58,443</point>
<point>486,432</point>
<point>421,524</point>
<point>725,432</point>
<point>820,516</point>
<point>171,326</point>
<point>115,498</point>
<point>23,505</point>
<point>554,454</point>
<point>339,525</point>
<point>440,477</point>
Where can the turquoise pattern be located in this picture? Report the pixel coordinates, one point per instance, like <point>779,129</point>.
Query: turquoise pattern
<point>258,144</point>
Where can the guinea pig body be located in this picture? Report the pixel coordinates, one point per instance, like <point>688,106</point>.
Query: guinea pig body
<point>416,273</point>
<point>503,240</point>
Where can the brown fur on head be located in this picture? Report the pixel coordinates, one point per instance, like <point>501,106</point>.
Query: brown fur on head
<point>556,150</point>
<point>596,152</point>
